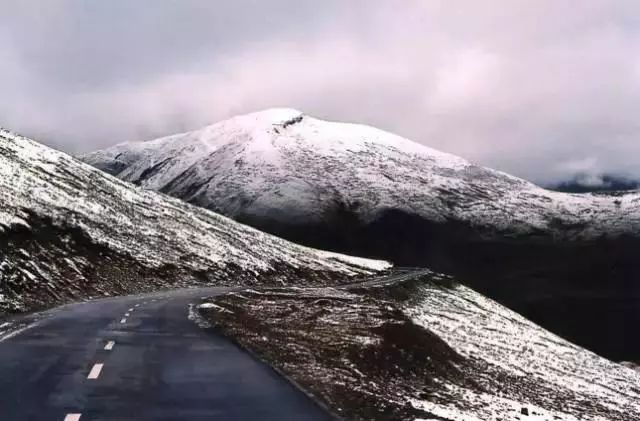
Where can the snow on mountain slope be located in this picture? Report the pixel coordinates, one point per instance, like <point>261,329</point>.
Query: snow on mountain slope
<point>427,348</point>
<point>282,164</point>
<point>66,228</point>
<point>540,372</point>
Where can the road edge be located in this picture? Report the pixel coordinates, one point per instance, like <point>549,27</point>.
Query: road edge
<point>211,329</point>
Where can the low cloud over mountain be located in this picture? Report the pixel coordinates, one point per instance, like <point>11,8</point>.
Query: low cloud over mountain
<point>543,90</point>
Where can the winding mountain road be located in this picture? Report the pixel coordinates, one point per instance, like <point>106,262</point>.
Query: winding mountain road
<point>138,358</point>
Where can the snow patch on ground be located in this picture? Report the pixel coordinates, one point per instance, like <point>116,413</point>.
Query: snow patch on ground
<point>492,408</point>
<point>8,329</point>
<point>195,317</point>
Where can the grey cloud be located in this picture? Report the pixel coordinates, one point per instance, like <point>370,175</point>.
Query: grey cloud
<point>541,89</point>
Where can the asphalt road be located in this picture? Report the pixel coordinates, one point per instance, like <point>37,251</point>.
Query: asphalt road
<point>138,358</point>
<point>397,275</point>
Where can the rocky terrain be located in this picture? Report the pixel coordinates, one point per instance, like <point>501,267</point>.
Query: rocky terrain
<point>566,261</point>
<point>426,349</point>
<point>69,231</point>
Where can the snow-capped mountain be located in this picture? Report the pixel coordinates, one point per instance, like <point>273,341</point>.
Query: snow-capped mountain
<point>356,189</point>
<point>284,166</point>
<point>68,231</point>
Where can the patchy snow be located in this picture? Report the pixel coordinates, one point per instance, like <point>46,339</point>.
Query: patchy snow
<point>376,265</point>
<point>212,306</point>
<point>560,373</point>
<point>195,317</point>
<point>57,191</point>
<point>283,165</point>
<point>493,408</point>
<point>50,183</point>
<point>9,330</point>
<point>424,349</point>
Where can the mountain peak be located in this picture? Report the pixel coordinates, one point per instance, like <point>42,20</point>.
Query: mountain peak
<point>277,115</point>
<point>280,163</point>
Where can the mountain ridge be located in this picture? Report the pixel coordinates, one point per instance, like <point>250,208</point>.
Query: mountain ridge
<point>359,190</point>
<point>69,231</point>
<point>191,166</point>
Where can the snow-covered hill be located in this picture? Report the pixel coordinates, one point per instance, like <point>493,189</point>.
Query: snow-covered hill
<point>551,256</point>
<point>527,372</point>
<point>68,230</point>
<point>285,166</point>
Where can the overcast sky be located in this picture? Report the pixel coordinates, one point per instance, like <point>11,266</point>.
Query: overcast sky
<point>540,89</point>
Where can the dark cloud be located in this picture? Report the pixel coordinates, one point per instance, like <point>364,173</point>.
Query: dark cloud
<point>543,89</point>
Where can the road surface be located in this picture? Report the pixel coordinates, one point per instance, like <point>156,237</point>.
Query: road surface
<point>138,358</point>
<point>397,275</point>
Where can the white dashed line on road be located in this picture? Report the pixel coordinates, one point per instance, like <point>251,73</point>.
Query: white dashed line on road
<point>123,321</point>
<point>95,371</point>
<point>131,309</point>
<point>72,417</point>
<point>109,346</point>
<point>127,314</point>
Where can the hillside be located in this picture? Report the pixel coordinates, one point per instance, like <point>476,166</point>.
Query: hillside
<point>552,256</point>
<point>426,349</point>
<point>69,231</point>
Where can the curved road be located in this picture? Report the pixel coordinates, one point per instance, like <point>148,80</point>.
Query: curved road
<point>138,358</point>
